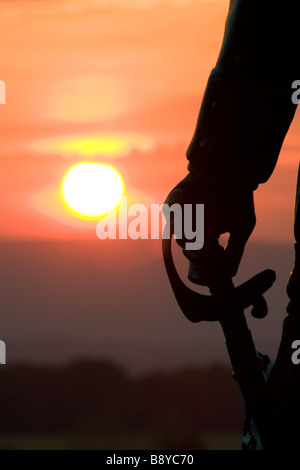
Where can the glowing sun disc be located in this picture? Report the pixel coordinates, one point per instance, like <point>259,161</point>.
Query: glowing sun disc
<point>92,190</point>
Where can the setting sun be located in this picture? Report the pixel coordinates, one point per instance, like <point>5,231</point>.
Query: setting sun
<point>92,190</point>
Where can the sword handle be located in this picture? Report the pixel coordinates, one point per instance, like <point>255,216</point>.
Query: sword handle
<point>198,307</point>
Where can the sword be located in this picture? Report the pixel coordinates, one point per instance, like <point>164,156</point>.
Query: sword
<point>248,365</point>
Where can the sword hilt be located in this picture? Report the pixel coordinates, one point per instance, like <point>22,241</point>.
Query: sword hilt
<point>198,307</point>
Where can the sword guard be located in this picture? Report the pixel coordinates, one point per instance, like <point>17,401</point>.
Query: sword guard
<point>198,307</point>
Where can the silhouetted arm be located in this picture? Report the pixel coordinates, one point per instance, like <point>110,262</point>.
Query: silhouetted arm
<point>247,107</point>
<point>244,117</point>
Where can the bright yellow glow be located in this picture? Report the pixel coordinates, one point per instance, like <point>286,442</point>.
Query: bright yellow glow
<point>108,144</point>
<point>105,145</point>
<point>92,190</point>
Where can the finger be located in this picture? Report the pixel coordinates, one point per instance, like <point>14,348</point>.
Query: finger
<point>236,245</point>
<point>242,223</point>
<point>206,264</point>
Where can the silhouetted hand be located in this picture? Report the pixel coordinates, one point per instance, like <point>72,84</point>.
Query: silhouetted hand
<point>225,211</point>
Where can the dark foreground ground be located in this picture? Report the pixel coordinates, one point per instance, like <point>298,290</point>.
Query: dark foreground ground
<point>205,441</point>
<point>98,405</point>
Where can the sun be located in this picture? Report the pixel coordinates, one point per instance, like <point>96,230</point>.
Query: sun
<point>92,190</point>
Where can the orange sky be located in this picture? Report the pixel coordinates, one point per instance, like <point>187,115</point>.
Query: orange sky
<point>133,71</point>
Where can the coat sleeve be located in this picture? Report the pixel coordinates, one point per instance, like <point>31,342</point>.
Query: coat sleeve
<point>247,107</point>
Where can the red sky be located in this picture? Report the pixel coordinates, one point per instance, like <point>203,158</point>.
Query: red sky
<point>129,71</point>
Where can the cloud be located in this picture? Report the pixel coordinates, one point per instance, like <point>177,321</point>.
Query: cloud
<point>100,145</point>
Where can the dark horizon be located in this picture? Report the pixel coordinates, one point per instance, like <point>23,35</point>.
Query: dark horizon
<point>98,405</point>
